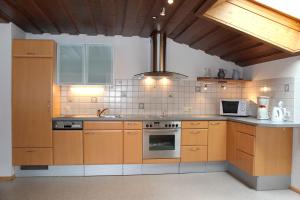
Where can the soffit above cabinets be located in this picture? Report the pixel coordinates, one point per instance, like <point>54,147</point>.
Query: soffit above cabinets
<point>184,22</point>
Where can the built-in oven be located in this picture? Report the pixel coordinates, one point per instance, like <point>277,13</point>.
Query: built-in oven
<point>161,139</point>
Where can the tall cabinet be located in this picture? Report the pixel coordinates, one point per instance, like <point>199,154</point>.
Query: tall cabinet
<point>34,94</point>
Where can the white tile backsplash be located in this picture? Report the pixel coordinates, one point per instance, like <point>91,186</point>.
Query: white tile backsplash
<point>177,97</point>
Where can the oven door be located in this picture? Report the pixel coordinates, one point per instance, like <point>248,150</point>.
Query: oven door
<point>161,143</point>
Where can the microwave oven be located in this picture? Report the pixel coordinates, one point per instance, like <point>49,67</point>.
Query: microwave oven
<point>234,107</point>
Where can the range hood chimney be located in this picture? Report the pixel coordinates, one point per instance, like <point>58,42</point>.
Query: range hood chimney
<point>158,57</point>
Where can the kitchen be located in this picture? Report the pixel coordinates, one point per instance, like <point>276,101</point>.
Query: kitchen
<point>161,97</point>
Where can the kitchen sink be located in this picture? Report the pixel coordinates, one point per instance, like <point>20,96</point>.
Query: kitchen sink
<point>110,116</point>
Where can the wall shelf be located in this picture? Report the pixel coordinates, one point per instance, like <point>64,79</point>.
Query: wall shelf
<point>217,80</point>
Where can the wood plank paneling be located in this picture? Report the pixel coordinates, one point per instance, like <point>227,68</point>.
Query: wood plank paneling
<point>183,22</point>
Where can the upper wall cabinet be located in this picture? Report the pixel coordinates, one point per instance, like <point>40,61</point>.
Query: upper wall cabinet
<point>84,64</point>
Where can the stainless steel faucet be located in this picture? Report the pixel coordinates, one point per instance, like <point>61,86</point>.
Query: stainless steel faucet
<point>100,112</point>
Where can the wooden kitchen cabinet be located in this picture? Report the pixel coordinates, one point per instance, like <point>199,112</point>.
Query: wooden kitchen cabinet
<point>194,137</point>
<point>217,137</point>
<point>133,148</point>
<point>193,153</point>
<point>68,147</point>
<point>195,124</point>
<point>133,125</point>
<point>34,48</point>
<point>103,147</point>
<point>231,142</point>
<point>32,156</point>
<point>103,125</point>
<point>259,151</point>
<point>33,97</point>
<point>32,93</point>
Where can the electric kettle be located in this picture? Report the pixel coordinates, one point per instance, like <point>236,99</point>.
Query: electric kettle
<point>278,113</point>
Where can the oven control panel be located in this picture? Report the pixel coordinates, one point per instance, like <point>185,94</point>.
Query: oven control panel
<point>161,124</point>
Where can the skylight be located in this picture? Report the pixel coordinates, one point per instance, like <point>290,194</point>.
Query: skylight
<point>288,7</point>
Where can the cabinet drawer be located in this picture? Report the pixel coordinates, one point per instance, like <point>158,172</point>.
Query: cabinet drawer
<point>194,137</point>
<point>193,153</point>
<point>246,143</point>
<point>68,147</point>
<point>133,125</point>
<point>245,162</point>
<point>244,128</point>
<point>103,147</point>
<point>195,124</point>
<point>32,156</point>
<point>34,48</point>
<point>133,147</point>
<point>107,125</point>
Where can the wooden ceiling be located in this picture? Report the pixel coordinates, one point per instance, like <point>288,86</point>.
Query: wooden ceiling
<point>134,18</point>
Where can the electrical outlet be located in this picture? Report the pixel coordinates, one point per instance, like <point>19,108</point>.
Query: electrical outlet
<point>286,87</point>
<point>187,109</point>
<point>94,100</point>
<point>141,106</point>
<point>198,89</point>
<point>123,94</point>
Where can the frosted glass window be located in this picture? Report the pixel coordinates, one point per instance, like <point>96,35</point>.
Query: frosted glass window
<point>71,64</point>
<point>99,68</point>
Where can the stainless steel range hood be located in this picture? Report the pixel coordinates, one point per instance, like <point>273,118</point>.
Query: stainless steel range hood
<point>158,55</point>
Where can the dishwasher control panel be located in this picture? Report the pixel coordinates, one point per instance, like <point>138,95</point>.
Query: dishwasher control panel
<point>67,125</point>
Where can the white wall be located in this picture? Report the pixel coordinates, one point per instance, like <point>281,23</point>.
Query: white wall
<point>289,67</point>
<point>7,32</point>
<point>132,55</point>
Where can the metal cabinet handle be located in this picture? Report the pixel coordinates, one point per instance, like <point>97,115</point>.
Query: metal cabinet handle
<point>195,149</point>
<point>30,53</point>
<point>132,133</point>
<point>30,151</point>
<point>195,123</point>
<point>132,123</point>
<point>215,123</point>
<point>195,132</point>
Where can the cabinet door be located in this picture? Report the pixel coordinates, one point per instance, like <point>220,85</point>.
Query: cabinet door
<point>231,142</point>
<point>99,64</point>
<point>133,147</point>
<point>32,102</point>
<point>34,48</point>
<point>193,153</point>
<point>70,66</point>
<point>217,141</point>
<point>103,147</point>
<point>68,147</point>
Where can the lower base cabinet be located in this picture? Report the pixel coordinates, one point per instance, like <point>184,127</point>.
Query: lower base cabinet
<point>193,153</point>
<point>103,147</point>
<point>68,147</point>
<point>133,148</point>
<point>32,156</point>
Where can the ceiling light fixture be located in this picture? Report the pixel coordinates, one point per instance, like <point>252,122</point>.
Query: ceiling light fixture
<point>170,1</point>
<point>163,11</point>
<point>153,17</point>
<point>205,87</point>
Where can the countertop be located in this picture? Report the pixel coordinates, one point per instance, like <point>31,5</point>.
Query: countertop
<point>246,120</point>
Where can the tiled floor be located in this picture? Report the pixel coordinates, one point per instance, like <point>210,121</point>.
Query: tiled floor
<point>211,186</point>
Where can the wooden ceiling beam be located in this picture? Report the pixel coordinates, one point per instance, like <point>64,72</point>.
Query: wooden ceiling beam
<point>69,15</point>
<point>195,31</point>
<point>17,16</point>
<point>93,19</point>
<point>79,15</point>
<point>181,16</point>
<point>264,58</point>
<point>250,53</point>
<point>216,37</point>
<point>204,7</point>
